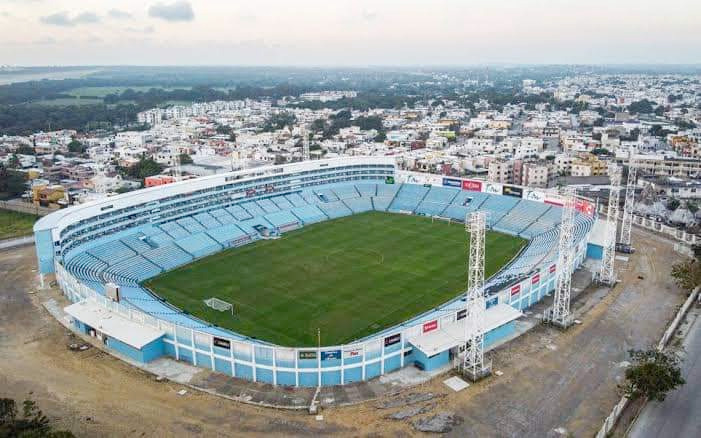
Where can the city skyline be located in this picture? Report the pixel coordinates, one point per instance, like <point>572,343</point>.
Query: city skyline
<point>344,33</point>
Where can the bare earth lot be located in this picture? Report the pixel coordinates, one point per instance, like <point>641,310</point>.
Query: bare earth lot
<point>552,380</point>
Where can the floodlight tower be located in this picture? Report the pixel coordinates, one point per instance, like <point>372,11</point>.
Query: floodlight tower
<point>627,224</point>
<point>305,145</point>
<point>560,315</point>
<point>473,361</point>
<point>607,274</point>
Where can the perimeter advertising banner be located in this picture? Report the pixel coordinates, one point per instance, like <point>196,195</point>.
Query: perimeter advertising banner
<point>493,188</point>
<point>430,326</point>
<point>332,354</point>
<point>307,355</point>
<point>534,195</point>
<point>394,339</point>
<point>461,314</point>
<point>514,191</point>
<point>472,185</point>
<point>452,182</point>
<point>350,353</point>
<point>585,207</point>
<point>221,343</point>
<point>553,268</point>
<point>554,200</point>
<point>535,279</point>
<point>515,289</point>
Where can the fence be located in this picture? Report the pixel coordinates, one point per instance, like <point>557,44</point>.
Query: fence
<point>612,418</point>
<point>24,207</point>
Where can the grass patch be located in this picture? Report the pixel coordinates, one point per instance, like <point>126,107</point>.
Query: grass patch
<point>349,277</point>
<point>14,224</point>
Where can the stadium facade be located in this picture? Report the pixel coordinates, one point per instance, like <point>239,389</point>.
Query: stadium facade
<point>132,237</point>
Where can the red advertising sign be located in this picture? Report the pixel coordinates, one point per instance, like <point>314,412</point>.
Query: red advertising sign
<point>535,279</point>
<point>472,185</point>
<point>552,268</point>
<point>584,207</point>
<point>515,289</point>
<point>430,326</point>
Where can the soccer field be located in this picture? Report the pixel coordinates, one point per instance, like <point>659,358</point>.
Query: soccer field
<point>348,277</point>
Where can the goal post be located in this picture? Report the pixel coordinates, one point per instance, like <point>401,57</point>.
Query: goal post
<point>220,305</point>
<point>441,218</point>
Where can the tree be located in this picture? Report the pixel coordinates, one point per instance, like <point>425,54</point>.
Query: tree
<point>144,168</point>
<point>25,150</point>
<point>652,375</point>
<point>223,129</point>
<point>13,162</point>
<point>185,159</point>
<point>379,138</point>
<point>673,204</point>
<point>643,106</point>
<point>11,182</point>
<point>76,147</point>
<point>32,423</point>
<point>687,274</point>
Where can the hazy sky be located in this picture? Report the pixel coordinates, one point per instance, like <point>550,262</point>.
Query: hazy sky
<point>348,32</point>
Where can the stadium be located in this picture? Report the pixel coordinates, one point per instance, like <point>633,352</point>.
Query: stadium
<point>315,273</point>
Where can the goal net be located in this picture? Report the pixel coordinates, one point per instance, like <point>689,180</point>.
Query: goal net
<point>220,305</point>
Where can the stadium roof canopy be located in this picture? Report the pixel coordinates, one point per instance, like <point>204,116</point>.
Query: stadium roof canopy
<point>452,335</point>
<point>113,325</point>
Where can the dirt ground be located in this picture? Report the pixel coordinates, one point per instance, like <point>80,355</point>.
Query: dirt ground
<point>554,383</point>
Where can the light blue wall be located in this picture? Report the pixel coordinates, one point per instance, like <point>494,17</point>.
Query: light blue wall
<point>45,251</point>
<point>433,362</point>
<point>499,333</point>
<point>149,352</point>
<point>594,251</point>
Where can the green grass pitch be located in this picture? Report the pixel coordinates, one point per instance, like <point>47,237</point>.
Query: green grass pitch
<point>348,277</point>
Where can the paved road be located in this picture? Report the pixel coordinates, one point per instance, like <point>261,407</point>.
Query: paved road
<point>18,241</point>
<point>679,416</point>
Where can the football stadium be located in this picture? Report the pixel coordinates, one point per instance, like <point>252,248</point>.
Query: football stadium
<point>314,273</point>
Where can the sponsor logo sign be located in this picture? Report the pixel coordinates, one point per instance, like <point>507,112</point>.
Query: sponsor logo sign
<point>535,279</point>
<point>534,195</point>
<point>553,268</point>
<point>554,200</point>
<point>332,354</point>
<point>472,185</point>
<point>515,289</point>
<point>493,188</point>
<point>452,182</point>
<point>352,353</point>
<point>461,314</point>
<point>430,326</point>
<point>250,192</point>
<point>221,343</point>
<point>389,180</point>
<point>585,207</point>
<point>307,355</point>
<point>391,340</point>
<point>512,191</point>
